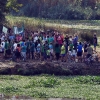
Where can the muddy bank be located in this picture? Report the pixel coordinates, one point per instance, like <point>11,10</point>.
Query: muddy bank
<point>3,97</point>
<point>56,68</point>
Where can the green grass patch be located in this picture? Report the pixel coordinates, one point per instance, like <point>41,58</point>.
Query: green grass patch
<point>49,82</point>
<point>45,86</point>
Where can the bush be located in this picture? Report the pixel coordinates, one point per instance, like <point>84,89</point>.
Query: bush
<point>50,82</point>
<point>89,80</point>
<point>10,89</point>
<point>87,37</point>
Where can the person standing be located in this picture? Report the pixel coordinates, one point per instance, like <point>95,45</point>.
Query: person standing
<point>67,42</point>
<point>79,51</point>
<point>28,43</point>
<point>51,51</point>
<point>60,40</point>
<point>63,53</point>
<point>50,39</point>
<point>89,51</point>
<point>14,46</point>
<point>43,54</point>
<point>57,51</point>
<point>23,52</point>
<point>18,50</point>
<point>46,46</point>
<point>7,48</point>
<point>85,45</point>
<point>75,40</point>
<point>38,50</point>
<point>32,47</point>
<point>95,41</point>
<point>3,45</point>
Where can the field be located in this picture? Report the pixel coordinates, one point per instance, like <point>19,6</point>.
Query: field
<point>45,86</point>
<point>65,26</point>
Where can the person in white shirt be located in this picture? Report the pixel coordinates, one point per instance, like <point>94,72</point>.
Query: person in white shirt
<point>74,53</point>
<point>36,38</point>
<point>38,48</point>
<point>2,38</point>
<point>1,50</point>
<point>14,46</point>
<point>3,44</point>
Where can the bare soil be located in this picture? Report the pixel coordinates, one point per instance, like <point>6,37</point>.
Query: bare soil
<point>57,68</point>
<point>45,67</point>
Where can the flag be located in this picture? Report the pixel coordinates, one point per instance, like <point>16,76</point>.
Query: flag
<point>5,30</point>
<point>15,30</point>
<point>19,30</point>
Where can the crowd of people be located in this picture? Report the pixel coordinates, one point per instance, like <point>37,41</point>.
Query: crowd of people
<point>49,45</point>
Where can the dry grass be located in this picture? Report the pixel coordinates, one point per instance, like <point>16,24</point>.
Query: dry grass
<point>63,26</point>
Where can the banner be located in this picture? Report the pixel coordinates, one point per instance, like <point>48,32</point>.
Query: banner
<point>5,30</point>
<point>19,30</point>
<point>15,30</point>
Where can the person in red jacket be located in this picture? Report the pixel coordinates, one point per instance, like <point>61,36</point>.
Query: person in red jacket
<point>60,39</point>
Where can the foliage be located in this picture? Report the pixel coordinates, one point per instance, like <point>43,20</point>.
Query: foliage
<point>13,5</point>
<point>89,80</point>
<point>10,89</point>
<point>2,10</point>
<point>87,37</point>
<point>60,9</point>
<point>50,82</point>
<point>5,6</point>
<point>77,87</point>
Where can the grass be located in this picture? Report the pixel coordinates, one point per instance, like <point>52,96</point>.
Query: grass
<point>45,86</point>
<point>61,25</point>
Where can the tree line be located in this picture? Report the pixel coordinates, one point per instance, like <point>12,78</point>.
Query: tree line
<point>51,9</point>
<point>60,9</point>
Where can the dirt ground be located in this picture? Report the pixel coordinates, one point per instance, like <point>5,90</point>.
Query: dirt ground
<point>76,68</point>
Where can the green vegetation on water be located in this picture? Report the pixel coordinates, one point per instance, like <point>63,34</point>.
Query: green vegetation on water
<point>84,87</point>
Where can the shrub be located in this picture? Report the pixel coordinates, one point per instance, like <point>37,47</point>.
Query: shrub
<point>5,71</point>
<point>87,37</point>
<point>10,89</point>
<point>50,82</point>
<point>90,80</point>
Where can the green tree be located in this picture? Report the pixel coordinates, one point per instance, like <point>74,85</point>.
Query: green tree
<point>56,9</point>
<point>2,10</point>
<point>13,5</point>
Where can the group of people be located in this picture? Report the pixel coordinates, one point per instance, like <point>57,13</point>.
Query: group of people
<point>49,45</point>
